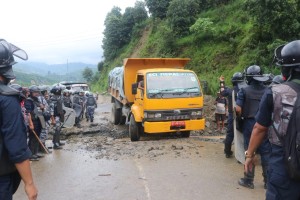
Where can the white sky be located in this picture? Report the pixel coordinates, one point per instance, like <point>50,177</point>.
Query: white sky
<point>54,31</point>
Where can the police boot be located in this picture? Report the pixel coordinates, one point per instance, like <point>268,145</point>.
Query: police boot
<point>56,140</point>
<point>247,181</point>
<point>265,176</point>
<point>227,150</point>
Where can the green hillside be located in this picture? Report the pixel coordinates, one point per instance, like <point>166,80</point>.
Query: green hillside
<point>220,37</point>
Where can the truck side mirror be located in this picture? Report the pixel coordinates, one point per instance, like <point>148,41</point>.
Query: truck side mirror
<point>134,88</point>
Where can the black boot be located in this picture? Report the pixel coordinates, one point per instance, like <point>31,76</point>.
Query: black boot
<point>265,176</point>
<point>247,181</point>
<point>227,150</point>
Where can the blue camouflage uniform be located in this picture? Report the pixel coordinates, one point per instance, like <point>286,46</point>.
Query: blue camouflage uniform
<point>13,147</point>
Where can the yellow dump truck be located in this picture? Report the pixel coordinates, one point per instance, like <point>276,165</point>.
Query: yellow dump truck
<point>156,95</point>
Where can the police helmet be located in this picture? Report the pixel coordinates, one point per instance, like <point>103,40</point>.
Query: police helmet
<point>81,91</point>
<point>34,88</point>
<point>237,77</point>
<point>288,58</point>
<point>288,55</point>
<point>56,89</point>
<point>87,93</point>
<point>7,53</point>
<point>43,88</point>
<point>19,88</point>
<point>254,72</point>
<point>270,78</point>
<point>278,79</point>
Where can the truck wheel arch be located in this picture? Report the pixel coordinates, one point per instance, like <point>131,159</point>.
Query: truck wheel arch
<point>136,114</point>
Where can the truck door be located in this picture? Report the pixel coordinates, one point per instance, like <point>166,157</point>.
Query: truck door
<point>139,97</point>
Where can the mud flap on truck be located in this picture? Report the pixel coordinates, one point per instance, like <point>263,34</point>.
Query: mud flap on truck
<point>116,113</point>
<point>135,129</point>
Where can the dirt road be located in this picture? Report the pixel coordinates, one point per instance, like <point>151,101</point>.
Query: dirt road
<point>100,162</point>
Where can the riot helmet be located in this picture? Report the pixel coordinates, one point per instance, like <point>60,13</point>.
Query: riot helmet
<point>19,89</point>
<point>254,73</point>
<point>7,53</point>
<point>237,77</point>
<point>57,89</point>
<point>288,58</point>
<point>34,88</point>
<point>278,79</point>
<point>270,78</point>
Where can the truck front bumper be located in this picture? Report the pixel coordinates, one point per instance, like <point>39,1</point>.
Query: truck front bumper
<point>165,127</point>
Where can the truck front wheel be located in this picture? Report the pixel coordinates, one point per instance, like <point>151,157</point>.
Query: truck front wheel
<point>134,129</point>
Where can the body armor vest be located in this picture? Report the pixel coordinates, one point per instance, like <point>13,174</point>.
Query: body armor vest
<point>252,97</point>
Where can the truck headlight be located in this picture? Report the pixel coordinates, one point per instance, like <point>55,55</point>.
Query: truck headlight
<point>152,115</point>
<point>157,115</point>
<point>196,114</point>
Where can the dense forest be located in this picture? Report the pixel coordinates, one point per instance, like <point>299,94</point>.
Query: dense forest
<point>220,36</point>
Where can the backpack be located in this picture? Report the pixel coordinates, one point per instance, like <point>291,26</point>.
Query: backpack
<point>291,141</point>
<point>91,101</point>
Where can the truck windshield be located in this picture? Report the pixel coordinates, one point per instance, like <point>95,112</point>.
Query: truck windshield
<point>172,85</point>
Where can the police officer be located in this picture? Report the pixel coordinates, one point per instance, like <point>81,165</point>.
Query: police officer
<point>14,152</point>
<point>67,99</point>
<point>91,104</point>
<point>280,186</point>
<point>34,108</point>
<point>77,107</point>
<point>237,81</point>
<point>247,106</point>
<point>82,102</point>
<point>58,114</point>
<point>46,113</point>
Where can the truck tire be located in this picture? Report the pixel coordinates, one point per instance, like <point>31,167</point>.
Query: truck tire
<point>116,114</point>
<point>123,120</point>
<point>134,129</point>
<point>185,134</point>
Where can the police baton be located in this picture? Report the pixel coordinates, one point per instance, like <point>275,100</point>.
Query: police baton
<point>37,137</point>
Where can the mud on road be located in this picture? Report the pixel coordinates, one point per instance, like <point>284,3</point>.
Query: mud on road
<point>112,142</point>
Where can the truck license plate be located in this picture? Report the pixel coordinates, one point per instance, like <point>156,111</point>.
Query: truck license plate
<point>177,124</point>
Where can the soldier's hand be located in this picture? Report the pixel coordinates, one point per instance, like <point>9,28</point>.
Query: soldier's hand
<point>31,191</point>
<point>42,106</point>
<point>31,127</point>
<point>221,78</point>
<point>53,122</point>
<point>250,163</point>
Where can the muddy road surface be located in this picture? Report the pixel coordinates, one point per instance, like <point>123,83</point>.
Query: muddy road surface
<point>99,162</point>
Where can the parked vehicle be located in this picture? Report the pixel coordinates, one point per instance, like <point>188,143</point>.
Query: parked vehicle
<point>156,95</point>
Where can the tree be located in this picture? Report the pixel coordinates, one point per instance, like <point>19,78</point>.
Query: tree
<point>182,14</point>
<point>276,19</point>
<point>158,8</point>
<point>112,40</point>
<point>139,12</point>
<point>203,26</point>
<point>87,74</point>
<point>100,66</point>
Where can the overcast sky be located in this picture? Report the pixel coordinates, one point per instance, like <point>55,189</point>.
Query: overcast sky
<point>54,31</point>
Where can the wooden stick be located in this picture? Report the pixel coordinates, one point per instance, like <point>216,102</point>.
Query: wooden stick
<point>37,137</point>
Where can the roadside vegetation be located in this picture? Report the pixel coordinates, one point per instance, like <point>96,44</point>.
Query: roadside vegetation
<point>220,36</point>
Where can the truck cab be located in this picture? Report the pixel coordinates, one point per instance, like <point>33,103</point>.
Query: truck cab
<point>167,100</point>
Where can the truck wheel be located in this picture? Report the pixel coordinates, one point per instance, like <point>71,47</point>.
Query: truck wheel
<point>185,134</point>
<point>115,115</point>
<point>123,120</point>
<point>134,129</point>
